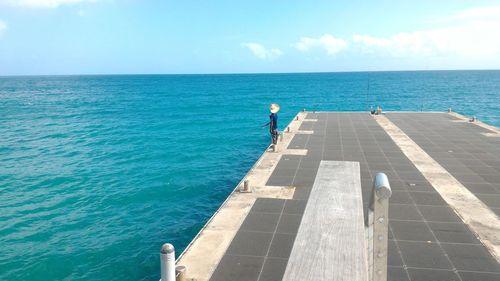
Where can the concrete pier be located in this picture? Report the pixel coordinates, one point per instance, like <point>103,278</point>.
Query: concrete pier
<point>443,214</point>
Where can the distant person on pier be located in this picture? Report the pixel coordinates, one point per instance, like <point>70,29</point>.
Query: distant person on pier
<point>273,122</point>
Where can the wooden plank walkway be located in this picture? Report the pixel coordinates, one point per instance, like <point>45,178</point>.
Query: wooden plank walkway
<point>330,243</point>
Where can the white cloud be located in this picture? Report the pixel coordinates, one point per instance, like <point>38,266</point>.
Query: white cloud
<point>471,39</point>
<point>327,42</point>
<point>3,27</point>
<point>41,3</point>
<point>478,13</point>
<point>262,52</point>
<point>466,34</point>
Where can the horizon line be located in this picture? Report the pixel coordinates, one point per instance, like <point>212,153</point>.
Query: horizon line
<point>245,73</point>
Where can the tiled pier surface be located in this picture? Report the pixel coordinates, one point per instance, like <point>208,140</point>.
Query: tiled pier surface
<point>464,150</point>
<point>428,241</point>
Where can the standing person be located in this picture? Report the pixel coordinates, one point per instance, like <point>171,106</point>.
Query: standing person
<point>273,122</point>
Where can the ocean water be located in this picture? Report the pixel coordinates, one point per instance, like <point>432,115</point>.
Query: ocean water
<point>97,172</point>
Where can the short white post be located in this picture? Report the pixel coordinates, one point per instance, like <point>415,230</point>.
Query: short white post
<point>245,188</point>
<point>167,259</point>
<point>380,206</point>
<point>180,272</point>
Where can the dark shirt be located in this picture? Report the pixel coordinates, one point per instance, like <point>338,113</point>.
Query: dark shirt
<point>274,121</point>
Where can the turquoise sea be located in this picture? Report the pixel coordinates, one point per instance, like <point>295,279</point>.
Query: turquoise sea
<point>97,172</point>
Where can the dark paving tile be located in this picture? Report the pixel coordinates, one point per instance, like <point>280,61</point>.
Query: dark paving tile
<point>284,172</point>
<point>432,275</point>
<point>491,177</point>
<point>285,165</point>
<point>479,276</point>
<point>306,171</point>
<point>268,205</point>
<point>302,193</point>
<point>281,245</point>
<point>289,224</point>
<point>301,181</point>
<point>428,198</point>
<point>411,230</point>
<point>490,200</point>
<point>279,180</point>
<point>481,188</point>
<point>273,269</point>
<point>241,268</point>
<point>471,257</point>
<point>311,164</point>
<point>423,255</point>
<point>305,126</point>
<point>393,256</point>
<point>397,185</point>
<point>298,141</point>
<point>467,178</point>
<point>295,207</point>
<point>263,222</point>
<point>250,243</point>
<point>453,233</point>
<point>411,176</point>
<point>419,186</point>
<point>396,274</point>
<point>403,212</point>
<point>400,197</point>
<point>289,159</point>
<point>439,214</point>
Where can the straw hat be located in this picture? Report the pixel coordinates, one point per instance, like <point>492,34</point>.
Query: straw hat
<point>274,108</point>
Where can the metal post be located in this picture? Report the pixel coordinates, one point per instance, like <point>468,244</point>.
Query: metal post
<point>297,118</point>
<point>245,188</point>
<point>167,259</point>
<point>281,136</point>
<point>379,205</point>
<point>180,272</point>
<point>288,129</point>
<point>449,110</point>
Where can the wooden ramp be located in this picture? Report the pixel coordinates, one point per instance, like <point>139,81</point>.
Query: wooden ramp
<point>330,243</point>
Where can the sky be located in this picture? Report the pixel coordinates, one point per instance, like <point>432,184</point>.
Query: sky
<point>45,37</point>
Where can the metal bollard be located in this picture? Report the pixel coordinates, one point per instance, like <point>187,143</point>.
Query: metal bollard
<point>379,212</point>
<point>245,188</point>
<point>288,129</point>
<point>180,272</point>
<point>297,118</point>
<point>382,187</point>
<point>167,259</point>
<point>449,110</point>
